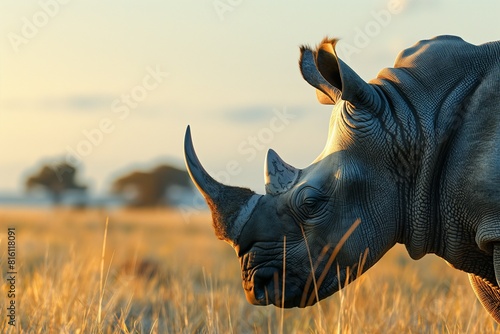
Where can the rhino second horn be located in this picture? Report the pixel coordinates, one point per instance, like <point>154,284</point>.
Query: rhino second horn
<point>279,176</point>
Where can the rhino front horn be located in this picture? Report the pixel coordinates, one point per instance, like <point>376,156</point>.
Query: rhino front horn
<point>278,176</point>
<point>231,207</point>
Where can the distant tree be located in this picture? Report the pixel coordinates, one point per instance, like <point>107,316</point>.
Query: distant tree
<point>150,188</point>
<point>55,179</point>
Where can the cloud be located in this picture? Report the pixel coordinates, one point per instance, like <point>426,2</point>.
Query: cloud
<point>78,102</point>
<point>258,113</point>
<point>66,103</point>
<point>414,5</point>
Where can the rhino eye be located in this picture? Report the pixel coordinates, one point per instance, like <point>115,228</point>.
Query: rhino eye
<point>309,203</point>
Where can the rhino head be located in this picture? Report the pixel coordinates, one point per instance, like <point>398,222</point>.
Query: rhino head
<point>318,228</point>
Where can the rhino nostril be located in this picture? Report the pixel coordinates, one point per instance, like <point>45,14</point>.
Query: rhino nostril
<point>259,293</point>
<point>263,281</point>
<point>265,275</point>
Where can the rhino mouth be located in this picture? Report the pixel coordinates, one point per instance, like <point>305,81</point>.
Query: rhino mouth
<point>266,288</point>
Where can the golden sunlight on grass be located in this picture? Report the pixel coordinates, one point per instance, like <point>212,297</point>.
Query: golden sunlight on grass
<point>156,273</point>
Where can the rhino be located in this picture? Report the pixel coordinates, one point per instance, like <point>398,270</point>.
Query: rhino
<point>412,157</point>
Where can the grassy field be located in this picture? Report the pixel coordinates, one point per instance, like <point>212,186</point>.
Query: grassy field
<point>164,274</point>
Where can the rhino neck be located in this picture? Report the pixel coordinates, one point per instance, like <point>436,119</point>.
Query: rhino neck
<point>426,104</point>
<point>421,227</point>
<point>422,147</point>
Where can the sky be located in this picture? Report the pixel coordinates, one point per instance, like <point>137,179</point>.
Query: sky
<point>112,85</point>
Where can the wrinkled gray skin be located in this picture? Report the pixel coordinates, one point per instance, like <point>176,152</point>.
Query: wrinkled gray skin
<point>413,156</point>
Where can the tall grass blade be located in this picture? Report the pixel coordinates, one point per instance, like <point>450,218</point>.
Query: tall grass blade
<point>101,290</point>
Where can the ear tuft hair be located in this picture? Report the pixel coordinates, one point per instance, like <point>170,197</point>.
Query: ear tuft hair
<point>328,40</point>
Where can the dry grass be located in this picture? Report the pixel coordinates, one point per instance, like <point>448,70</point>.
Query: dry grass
<point>164,275</point>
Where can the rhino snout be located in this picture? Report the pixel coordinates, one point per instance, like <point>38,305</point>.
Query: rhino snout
<point>260,286</point>
<point>266,282</point>
<point>266,288</point>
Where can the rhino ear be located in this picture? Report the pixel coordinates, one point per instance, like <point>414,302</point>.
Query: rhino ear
<point>323,98</point>
<point>326,92</point>
<point>346,84</point>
